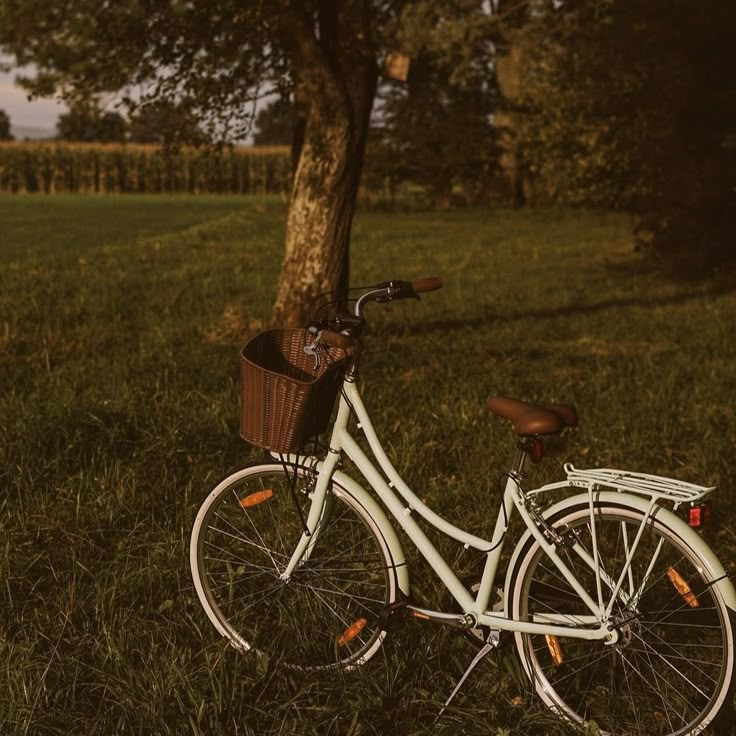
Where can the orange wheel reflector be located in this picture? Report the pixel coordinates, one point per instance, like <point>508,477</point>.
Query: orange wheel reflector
<point>553,644</point>
<point>352,631</point>
<point>682,587</point>
<point>255,498</point>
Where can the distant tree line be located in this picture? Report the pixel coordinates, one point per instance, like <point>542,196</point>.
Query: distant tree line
<point>86,121</point>
<point>164,123</point>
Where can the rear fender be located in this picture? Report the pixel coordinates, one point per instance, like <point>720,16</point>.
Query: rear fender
<point>714,572</point>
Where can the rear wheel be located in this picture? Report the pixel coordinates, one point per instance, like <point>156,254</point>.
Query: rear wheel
<point>328,613</point>
<point>671,670</point>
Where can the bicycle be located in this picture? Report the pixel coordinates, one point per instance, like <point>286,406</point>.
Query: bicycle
<point>620,613</point>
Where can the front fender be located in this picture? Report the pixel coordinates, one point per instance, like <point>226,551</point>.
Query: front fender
<point>387,530</point>
<point>367,501</point>
<point>715,570</point>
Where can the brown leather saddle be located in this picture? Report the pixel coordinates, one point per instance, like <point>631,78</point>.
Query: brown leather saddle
<point>530,420</point>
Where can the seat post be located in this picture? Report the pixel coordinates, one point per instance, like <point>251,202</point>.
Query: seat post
<point>520,460</point>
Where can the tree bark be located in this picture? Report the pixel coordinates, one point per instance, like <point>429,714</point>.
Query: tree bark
<point>338,75</point>
<point>301,111</point>
<point>509,63</point>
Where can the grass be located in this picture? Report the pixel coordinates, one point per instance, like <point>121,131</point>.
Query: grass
<point>120,324</point>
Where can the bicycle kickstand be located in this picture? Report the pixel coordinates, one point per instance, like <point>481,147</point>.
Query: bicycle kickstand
<point>489,646</point>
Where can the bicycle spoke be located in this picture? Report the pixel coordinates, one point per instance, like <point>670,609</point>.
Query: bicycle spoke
<point>576,673</point>
<point>233,581</point>
<point>240,538</point>
<point>235,559</point>
<point>660,686</point>
<point>690,660</point>
<point>554,572</point>
<point>632,699</point>
<point>276,526</point>
<point>669,664</point>
<point>255,570</point>
<point>571,617</point>
<point>658,579</point>
<point>255,528</point>
<point>345,551</point>
<point>654,690</point>
<point>349,581</point>
<point>336,591</point>
<point>344,619</point>
<point>627,553</point>
<point>356,567</point>
<point>568,660</point>
<point>260,596</point>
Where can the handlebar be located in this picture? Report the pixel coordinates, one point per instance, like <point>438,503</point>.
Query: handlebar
<point>389,291</point>
<point>337,340</point>
<point>431,283</point>
<point>345,328</point>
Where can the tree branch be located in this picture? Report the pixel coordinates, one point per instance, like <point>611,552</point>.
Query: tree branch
<point>297,31</point>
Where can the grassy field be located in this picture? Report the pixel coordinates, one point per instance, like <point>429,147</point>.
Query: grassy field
<point>120,325</point>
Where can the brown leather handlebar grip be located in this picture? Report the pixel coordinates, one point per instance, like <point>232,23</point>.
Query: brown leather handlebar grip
<point>336,339</point>
<point>431,283</point>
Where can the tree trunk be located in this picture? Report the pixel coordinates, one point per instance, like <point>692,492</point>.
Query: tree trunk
<point>339,78</point>
<point>509,63</point>
<point>301,112</point>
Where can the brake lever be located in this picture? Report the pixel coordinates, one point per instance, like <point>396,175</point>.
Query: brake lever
<point>398,290</point>
<point>314,348</point>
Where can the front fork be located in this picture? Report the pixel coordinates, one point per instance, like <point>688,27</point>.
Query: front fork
<point>320,510</point>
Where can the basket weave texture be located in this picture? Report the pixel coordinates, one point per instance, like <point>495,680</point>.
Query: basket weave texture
<point>286,398</point>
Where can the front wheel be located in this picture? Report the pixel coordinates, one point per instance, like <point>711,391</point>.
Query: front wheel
<point>672,668</point>
<point>328,613</point>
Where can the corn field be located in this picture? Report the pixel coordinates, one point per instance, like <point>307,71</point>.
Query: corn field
<point>58,167</point>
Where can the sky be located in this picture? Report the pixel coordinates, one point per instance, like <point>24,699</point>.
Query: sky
<point>37,114</point>
<point>37,118</point>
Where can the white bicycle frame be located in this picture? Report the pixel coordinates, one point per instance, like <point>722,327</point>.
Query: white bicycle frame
<point>391,493</point>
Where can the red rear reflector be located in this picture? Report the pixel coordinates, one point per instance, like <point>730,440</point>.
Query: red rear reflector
<point>699,515</point>
<point>536,453</point>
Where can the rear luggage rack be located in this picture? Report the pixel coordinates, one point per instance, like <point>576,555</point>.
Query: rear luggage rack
<point>653,486</point>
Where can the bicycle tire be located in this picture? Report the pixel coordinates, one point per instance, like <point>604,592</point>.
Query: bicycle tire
<point>239,549</point>
<point>672,671</point>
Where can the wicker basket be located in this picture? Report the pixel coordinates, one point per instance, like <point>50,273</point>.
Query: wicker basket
<point>286,399</point>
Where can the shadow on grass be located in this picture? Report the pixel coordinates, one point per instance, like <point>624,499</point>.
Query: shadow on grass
<point>570,310</point>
